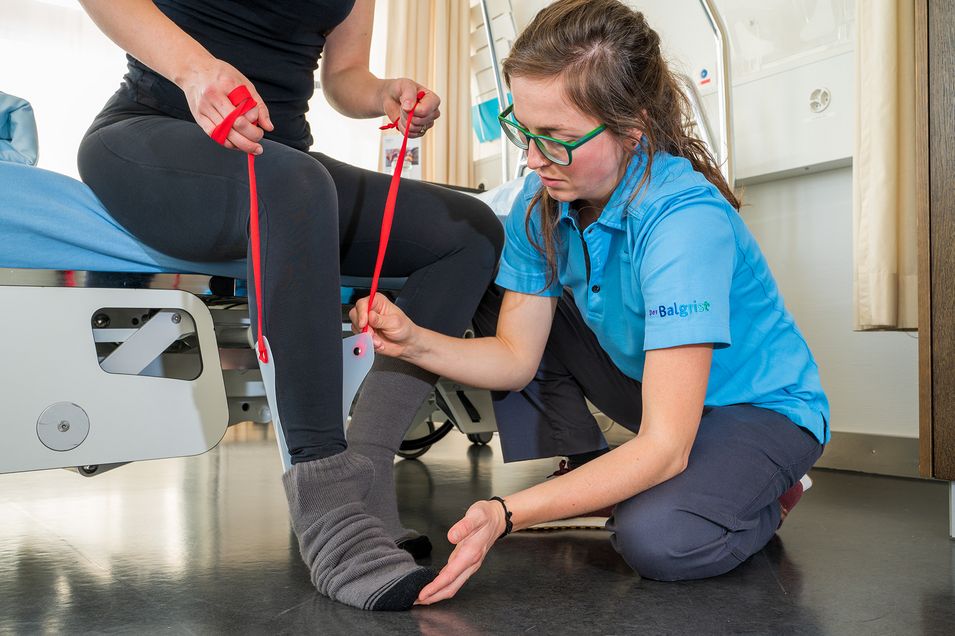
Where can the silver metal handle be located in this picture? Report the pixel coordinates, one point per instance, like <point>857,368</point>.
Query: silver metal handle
<point>705,130</point>
<point>724,89</point>
<point>501,95</point>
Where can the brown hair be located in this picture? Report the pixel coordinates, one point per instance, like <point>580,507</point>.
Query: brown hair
<point>610,62</point>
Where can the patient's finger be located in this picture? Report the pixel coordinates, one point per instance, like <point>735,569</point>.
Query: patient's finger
<point>206,124</point>
<point>428,106</point>
<point>217,106</point>
<point>223,108</point>
<point>247,129</point>
<point>419,120</point>
<point>207,127</point>
<point>243,143</point>
<point>261,111</point>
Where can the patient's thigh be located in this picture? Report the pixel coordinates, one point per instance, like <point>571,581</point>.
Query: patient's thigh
<point>181,193</point>
<point>431,223</point>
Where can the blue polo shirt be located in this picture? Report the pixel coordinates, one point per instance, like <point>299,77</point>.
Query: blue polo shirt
<point>675,265</point>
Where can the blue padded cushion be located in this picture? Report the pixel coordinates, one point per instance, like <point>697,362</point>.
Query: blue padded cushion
<point>18,139</point>
<point>50,221</point>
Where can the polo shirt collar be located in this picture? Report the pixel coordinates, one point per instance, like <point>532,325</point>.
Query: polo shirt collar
<point>613,214</point>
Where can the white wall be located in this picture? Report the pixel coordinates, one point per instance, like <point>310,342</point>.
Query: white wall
<point>53,55</point>
<point>350,140</point>
<point>804,226</point>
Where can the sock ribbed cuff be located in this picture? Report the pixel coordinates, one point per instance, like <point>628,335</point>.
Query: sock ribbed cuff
<point>336,481</point>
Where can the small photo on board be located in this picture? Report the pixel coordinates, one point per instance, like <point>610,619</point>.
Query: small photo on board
<point>391,148</point>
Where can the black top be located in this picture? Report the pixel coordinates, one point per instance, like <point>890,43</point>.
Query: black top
<point>275,44</point>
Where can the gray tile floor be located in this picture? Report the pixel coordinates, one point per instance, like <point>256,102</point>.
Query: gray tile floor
<point>202,545</point>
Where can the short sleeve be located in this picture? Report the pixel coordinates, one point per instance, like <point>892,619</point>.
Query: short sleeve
<point>523,268</point>
<point>686,273</point>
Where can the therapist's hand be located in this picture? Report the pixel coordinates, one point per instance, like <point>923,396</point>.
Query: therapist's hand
<point>473,536</point>
<point>392,332</point>
<point>398,97</point>
<point>207,87</point>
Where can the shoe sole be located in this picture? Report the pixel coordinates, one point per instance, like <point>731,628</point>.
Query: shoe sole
<point>806,482</point>
<point>575,523</point>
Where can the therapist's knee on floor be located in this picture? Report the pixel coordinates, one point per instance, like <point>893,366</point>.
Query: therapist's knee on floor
<point>662,542</point>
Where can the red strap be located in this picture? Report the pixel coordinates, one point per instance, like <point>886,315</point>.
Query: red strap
<point>243,102</point>
<point>390,203</point>
<point>240,98</point>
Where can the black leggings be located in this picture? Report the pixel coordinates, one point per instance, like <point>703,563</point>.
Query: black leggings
<point>180,193</point>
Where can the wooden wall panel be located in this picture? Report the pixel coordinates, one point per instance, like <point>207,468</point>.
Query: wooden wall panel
<point>941,112</point>
<point>924,252</point>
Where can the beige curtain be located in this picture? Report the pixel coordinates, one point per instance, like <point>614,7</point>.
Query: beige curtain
<point>428,41</point>
<point>883,174</point>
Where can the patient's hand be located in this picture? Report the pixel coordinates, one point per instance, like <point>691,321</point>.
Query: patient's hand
<point>392,331</point>
<point>398,97</point>
<point>473,537</point>
<point>207,88</point>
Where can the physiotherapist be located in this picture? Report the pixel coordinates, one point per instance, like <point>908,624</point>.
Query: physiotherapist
<point>629,279</point>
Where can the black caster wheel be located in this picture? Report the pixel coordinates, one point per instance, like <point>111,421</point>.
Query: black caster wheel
<point>416,451</point>
<point>480,439</point>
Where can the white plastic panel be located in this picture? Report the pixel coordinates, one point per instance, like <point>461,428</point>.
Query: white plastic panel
<point>49,357</point>
<point>776,129</point>
<point>775,34</point>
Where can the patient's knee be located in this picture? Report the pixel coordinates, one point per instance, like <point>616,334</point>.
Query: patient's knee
<point>483,235</point>
<point>298,195</point>
<point>292,172</point>
<point>494,231</point>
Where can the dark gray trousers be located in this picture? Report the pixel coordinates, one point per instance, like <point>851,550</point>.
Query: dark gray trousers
<point>705,521</point>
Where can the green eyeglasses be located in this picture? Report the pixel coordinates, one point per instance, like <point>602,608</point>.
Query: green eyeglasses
<point>553,149</point>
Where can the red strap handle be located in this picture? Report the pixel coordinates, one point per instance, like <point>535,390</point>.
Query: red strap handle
<point>243,102</point>
<point>390,203</point>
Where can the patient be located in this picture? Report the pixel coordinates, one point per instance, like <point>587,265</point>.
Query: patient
<point>149,158</point>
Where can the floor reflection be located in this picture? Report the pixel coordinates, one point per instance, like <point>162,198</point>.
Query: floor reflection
<point>203,545</point>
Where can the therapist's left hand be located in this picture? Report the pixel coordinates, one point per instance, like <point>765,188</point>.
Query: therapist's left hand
<point>398,98</point>
<point>473,537</point>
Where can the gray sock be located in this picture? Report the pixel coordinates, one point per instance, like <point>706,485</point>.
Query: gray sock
<point>390,397</point>
<point>351,558</point>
